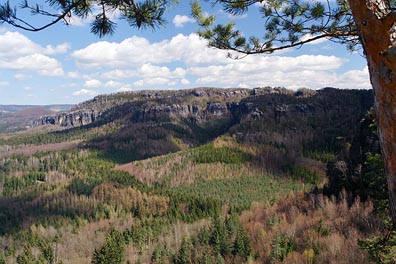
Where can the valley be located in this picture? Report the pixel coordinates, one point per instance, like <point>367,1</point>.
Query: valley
<point>205,175</point>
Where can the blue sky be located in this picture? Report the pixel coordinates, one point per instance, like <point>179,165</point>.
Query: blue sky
<point>68,64</point>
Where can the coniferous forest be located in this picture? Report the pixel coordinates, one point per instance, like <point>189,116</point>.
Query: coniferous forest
<point>263,175</point>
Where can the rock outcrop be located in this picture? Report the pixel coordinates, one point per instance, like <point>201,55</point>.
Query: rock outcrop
<point>358,165</point>
<point>69,119</point>
<point>197,105</point>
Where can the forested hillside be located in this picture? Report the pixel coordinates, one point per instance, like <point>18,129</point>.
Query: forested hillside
<point>190,176</point>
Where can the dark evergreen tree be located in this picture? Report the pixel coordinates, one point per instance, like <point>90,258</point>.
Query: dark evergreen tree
<point>26,256</point>
<point>156,255</point>
<point>112,251</point>
<point>184,256</point>
<point>241,245</point>
<point>218,237</point>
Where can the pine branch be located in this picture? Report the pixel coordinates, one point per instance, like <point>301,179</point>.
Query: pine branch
<point>8,15</point>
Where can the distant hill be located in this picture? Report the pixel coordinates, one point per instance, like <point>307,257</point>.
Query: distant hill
<point>19,117</point>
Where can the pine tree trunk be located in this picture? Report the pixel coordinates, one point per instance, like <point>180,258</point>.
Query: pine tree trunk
<point>375,26</point>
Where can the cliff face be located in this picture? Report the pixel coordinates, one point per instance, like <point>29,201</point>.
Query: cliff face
<point>358,167</point>
<point>198,105</point>
<point>69,119</point>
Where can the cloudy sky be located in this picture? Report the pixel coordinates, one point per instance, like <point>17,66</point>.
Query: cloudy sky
<point>67,64</point>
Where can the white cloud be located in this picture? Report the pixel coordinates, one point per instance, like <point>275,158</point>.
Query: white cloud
<point>20,45</point>
<point>243,85</point>
<point>315,42</point>
<point>21,77</point>
<point>138,83</point>
<point>73,75</point>
<point>93,83</point>
<point>264,69</point>
<point>292,72</point>
<point>186,60</point>
<point>125,89</point>
<point>159,81</point>
<point>44,65</point>
<point>14,44</point>
<point>136,51</point>
<point>59,49</point>
<point>84,92</point>
<point>180,20</point>
<point>51,72</point>
<point>151,75</point>
<point>151,71</point>
<point>146,70</point>
<point>349,79</point>
<point>113,84</point>
<point>185,81</point>
<point>4,83</point>
<point>118,74</point>
<point>137,57</point>
<point>17,52</point>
